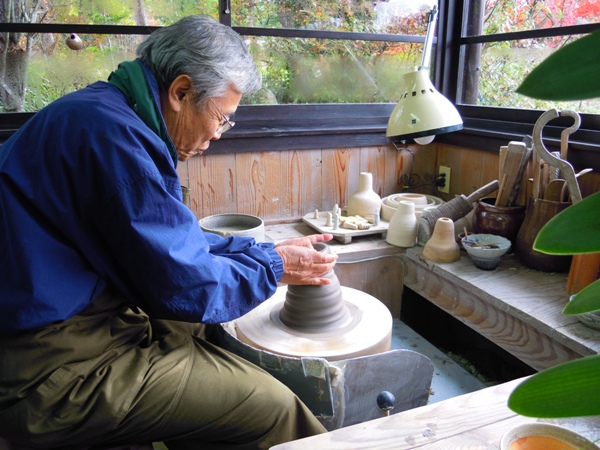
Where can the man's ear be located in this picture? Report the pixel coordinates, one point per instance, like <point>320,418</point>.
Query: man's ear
<point>180,88</point>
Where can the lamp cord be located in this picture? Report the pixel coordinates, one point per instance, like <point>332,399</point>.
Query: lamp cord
<point>409,181</point>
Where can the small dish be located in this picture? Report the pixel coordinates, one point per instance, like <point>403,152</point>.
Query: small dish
<point>544,436</point>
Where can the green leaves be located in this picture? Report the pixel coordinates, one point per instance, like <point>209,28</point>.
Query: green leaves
<point>570,73</point>
<point>575,230</point>
<point>586,300</point>
<point>568,390</point>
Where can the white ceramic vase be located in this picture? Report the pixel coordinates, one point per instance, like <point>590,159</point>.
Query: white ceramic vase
<point>364,202</point>
<point>442,246</point>
<point>402,231</point>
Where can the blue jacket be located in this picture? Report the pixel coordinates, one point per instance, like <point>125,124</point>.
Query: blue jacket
<point>89,198</point>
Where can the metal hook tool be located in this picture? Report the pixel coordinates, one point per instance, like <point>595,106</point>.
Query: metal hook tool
<point>566,169</point>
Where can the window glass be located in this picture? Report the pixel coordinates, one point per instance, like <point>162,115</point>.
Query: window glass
<point>52,75</point>
<point>505,16</point>
<point>40,67</point>
<point>37,68</point>
<point>331,71</point>
<point>125,12</point>
<point>490,72</point>
<point>501,68</point>
<point>398,16</point>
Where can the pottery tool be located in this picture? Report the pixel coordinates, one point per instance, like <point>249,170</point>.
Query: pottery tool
<point>566,169</point>
<point>554,190</point>
<point>512,173</point>
<point>501,158</point>
<point>563,196</point>
<point>524,191</point>
<point>455,209</point>
<point>564,135</point>
<point>518,185</point>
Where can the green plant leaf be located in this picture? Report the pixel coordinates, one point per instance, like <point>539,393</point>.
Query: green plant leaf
<point>570,73</point>
<point>568,390</point>
<point>586,300</point>
<point>574,230</point>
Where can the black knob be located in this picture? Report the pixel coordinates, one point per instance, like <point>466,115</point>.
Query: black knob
<point>386,401</point>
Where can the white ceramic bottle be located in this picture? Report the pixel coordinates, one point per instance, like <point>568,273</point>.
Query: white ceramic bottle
<point>364,201</point>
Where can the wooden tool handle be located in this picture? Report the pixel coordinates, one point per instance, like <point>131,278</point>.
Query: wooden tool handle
<point>483,191</point>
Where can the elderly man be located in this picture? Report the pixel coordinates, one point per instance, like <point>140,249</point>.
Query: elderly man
<point>105,274</point>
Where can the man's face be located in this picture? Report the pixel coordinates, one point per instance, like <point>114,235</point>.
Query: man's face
<point>192,127</point>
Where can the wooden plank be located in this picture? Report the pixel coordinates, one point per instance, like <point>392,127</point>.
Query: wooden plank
<point>393,160</point>
<point>340,170</point>
<point>514,162</point>
<point>301,183</point>
<point>517,308</point>
<point>258,190</point>
<point>434,424</point>
<point>381,277</point>
<point>474,421</point>
<point>212,185</point>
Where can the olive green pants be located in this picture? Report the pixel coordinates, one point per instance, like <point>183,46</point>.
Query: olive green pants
<point>111,375</point>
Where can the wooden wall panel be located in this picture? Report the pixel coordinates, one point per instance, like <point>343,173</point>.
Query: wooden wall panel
<point>340,170</point>
<point>301,183</point>
<point>258,183</point>
<point>212,184</point>
<point>282,186</point>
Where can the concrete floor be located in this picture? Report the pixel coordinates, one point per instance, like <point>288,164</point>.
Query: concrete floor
<point>449,378</point>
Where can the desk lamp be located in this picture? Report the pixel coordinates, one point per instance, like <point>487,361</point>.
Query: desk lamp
<point>422,112</point>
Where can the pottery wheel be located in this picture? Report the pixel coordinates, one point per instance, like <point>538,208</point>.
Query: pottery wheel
<point>363,326</point>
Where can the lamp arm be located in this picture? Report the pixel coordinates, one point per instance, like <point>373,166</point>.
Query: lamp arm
<point>429,38</point>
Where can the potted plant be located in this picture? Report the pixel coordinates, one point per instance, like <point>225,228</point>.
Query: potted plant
<point>570,389</point>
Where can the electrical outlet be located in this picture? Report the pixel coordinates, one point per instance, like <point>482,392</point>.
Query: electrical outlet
<point>445,171</point>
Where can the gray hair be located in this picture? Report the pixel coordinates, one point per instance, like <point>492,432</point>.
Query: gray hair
<point>213,55</point>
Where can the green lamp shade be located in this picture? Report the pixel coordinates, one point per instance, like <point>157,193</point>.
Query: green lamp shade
<point>422,112</point>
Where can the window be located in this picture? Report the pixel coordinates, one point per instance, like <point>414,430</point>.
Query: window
<point>499,43</point>
<point>338,56</point>
<point>332,69</point>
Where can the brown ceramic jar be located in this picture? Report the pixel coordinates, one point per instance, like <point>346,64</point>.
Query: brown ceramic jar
<point>502,221</point>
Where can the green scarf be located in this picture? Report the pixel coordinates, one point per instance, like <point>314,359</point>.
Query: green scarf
<point>131,80</point>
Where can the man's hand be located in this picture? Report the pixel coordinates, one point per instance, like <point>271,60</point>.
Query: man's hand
<point>302,264</point>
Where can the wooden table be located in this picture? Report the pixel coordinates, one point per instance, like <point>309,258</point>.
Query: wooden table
<point>473,421</point>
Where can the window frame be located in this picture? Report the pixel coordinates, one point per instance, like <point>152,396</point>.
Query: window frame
<point>296,127</point>
<point>488,128</point>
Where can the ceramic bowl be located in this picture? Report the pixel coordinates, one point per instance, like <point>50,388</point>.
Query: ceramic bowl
<point>390,203</point>
<point>486,246</point>
<point>417,199</point>
<point>591,319</point>
<point>234,225</point>
<point>544,436</point>
<point>486,263</point>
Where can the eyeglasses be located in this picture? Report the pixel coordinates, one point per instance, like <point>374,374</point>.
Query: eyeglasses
<point>226,124</point>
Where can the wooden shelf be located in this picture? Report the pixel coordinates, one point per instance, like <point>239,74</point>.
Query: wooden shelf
<point>517,308</point>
